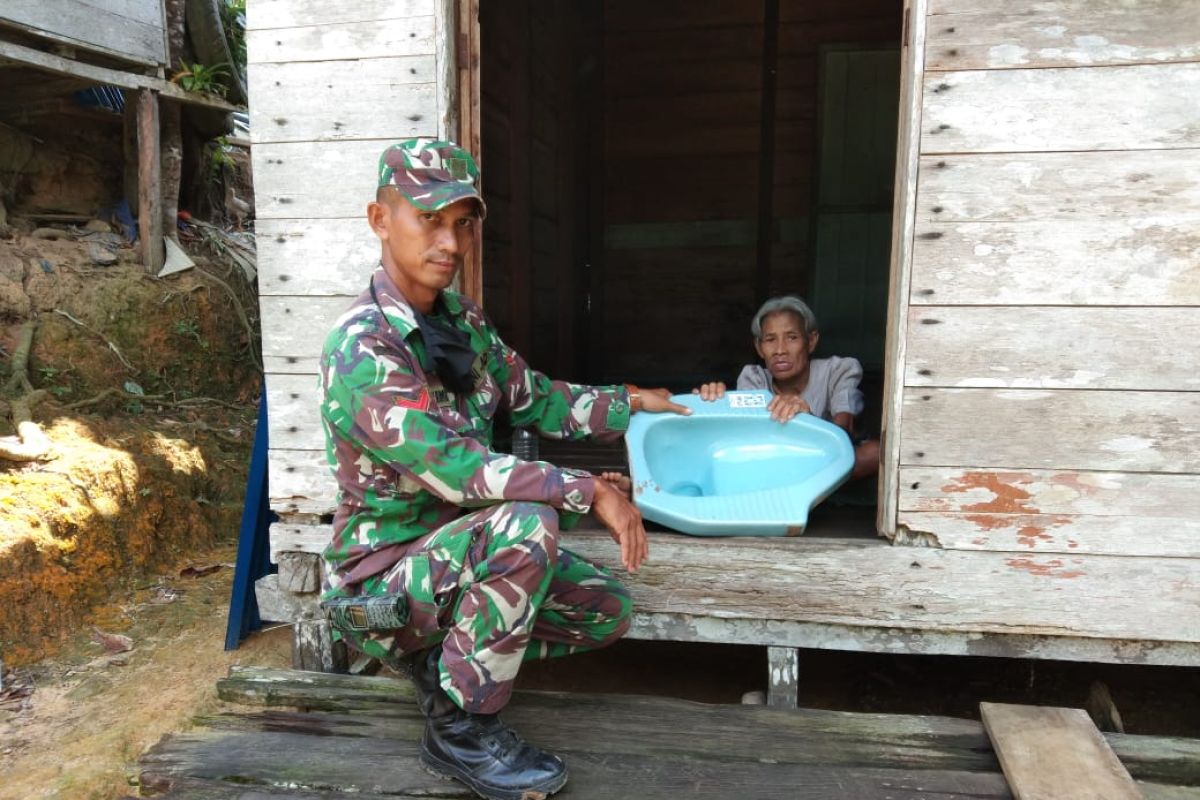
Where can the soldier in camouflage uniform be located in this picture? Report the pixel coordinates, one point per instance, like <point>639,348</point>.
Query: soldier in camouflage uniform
<point>413,376</point>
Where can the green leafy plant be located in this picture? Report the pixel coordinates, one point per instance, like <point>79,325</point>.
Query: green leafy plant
<point>233,19</point>
<point>219,159</point>
<point>201,78</point>
<point>187,328</point>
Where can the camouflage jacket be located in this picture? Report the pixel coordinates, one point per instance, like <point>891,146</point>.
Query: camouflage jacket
<point>410,456</point>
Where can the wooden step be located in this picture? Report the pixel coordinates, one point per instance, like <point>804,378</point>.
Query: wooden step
<point>1052,753</point>
<point>358,736</point>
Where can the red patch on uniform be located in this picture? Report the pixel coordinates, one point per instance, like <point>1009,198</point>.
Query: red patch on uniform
<point>420,404</point>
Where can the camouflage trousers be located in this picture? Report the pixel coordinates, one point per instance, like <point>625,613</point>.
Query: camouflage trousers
<point>496,589</point>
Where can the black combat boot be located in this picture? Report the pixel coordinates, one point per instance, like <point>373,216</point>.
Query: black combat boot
<point>485,754</point>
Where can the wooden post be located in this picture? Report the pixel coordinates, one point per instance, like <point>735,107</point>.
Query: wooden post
<point>313,648</point>
<point>299,572</point>
<point>150,228</point>
<point>129,149</point>
<point>783,663</point>
<point>469,123</point>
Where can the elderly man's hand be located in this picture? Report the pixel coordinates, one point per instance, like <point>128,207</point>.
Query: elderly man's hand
<point>713,390</point>
<point>785,406</point>
<point>624,523</point>
<point>658,400</point>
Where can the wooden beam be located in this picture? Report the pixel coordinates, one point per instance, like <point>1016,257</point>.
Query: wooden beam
<point>58,65</point>
<point>783,666</point>
<point>129,149</point>
<point>904,217</point>
<point>150,224</point>
<point>466,40</point>
<point>1050,753</point>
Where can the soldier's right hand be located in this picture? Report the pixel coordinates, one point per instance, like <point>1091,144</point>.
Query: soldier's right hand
<point>624,523</point>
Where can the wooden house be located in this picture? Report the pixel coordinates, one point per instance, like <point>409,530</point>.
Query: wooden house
<point>51,49</point>
<point>993,206</point>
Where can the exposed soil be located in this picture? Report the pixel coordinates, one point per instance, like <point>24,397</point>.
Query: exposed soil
<point>91,713</point>
<point>149,403</point>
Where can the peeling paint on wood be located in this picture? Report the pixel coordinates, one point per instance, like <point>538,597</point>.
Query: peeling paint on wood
<point>1050,568</point>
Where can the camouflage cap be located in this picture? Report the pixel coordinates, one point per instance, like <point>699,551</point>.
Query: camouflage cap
<point>432,174</point>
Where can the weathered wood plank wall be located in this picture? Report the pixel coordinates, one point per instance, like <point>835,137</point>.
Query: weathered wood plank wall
<point>131,30</point>
<point>330,84</point>
<point>1050,398</point>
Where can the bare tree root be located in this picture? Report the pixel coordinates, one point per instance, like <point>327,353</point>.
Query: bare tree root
<point>102,337</point>
<point>157,399</point>
<point>30,443</point>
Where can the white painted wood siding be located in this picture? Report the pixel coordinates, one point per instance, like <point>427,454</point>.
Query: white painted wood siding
<point>331,85</point>
<point>1051,376</point>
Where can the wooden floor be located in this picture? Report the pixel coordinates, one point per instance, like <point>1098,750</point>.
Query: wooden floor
<point>357,737</point>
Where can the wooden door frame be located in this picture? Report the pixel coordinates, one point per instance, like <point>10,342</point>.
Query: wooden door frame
<point>463,81</point>
<point>908,146</point>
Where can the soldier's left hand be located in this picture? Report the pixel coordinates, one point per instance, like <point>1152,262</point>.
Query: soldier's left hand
<point>658,400</point>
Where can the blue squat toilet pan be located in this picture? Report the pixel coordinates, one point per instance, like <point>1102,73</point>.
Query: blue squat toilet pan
<point>731,470</point>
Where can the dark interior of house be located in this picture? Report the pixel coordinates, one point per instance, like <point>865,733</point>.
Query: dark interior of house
<point>655,171</point>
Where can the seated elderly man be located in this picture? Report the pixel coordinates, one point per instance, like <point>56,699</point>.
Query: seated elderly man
<point>785,336</point>
<point>465,538</point>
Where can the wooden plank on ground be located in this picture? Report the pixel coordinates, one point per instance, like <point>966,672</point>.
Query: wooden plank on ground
<point>1053,348</point>
<point>383,705</point>
<point>1052,753</point>
<point>1052,187</point>
<point>1133,260</point>
<point>332,100</point>
<point>270,14</point>
<point>357,765</point>
<point>1040,110</point>
<point>982,34</point>
<point>771,753</point>
<point>380,38</point>
<point>1060,429</point>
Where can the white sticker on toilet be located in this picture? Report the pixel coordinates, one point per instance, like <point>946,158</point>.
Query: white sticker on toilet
<point>747,401</point>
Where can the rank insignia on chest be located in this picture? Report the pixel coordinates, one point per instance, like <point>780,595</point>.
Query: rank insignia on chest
<point>443,397</point>
<point>420,403</point>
